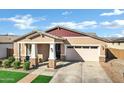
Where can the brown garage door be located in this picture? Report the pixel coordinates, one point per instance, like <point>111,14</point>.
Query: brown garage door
<point>9,52</point>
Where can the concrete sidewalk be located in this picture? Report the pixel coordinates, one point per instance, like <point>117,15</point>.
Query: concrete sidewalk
<point>28,78</point>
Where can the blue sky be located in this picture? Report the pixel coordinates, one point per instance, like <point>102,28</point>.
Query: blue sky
<point>103,22</point>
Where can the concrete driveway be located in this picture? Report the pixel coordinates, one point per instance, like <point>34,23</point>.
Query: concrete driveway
<point>68,73</point>
<point>81,72</point>
<point>92,72</point>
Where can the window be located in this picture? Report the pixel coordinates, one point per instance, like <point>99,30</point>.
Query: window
<point>77,46</point>
<point>86,47</point>
<point>70,46</point>
<point>94,47</point>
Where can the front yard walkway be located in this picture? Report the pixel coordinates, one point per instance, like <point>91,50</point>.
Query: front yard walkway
<point>42,70</point>
<point>29,78</point>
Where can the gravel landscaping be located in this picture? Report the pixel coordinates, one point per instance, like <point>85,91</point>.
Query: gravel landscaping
<point>115,70</point>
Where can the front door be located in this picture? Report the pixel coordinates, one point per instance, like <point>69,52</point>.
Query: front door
<point>58,50</point>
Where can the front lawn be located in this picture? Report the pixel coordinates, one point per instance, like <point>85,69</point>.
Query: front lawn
<point>42,79</point>
<point>11,77</point>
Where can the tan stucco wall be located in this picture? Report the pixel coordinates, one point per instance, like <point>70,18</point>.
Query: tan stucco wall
<point>57,41</point>
<point>83,40</point>
<point>87,40</point>
<point>116,45</point>
<point>39,39</point>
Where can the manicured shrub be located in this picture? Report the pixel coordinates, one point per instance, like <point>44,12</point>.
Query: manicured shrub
<point>6,63</point>
<point>16,64</point>
<point>11,59</point>
<point>26,65</point>
<point>1,63</point>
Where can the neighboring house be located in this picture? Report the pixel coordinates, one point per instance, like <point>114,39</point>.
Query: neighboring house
<point>117,43</point>
<point>60,43</point>
<point>115,48</point>
<point>6,45</point>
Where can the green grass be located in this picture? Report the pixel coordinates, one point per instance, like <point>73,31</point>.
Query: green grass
<point>11,77</point>
<point>42,79</point>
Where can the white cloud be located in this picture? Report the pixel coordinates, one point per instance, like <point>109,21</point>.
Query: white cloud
<point>11,33</point>
<point>23,22</point>
<point>75,25</point>
<point>113,24</point>
<point>114,12</point>
<point>42,18</point>
<point>121,34</point>
<point>66,13</point>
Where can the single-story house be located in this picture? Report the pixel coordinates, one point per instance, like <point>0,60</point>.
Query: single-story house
<point>60,43</point>
<point>115,48</point>
<point>6,45</point>
<point>116,43</point>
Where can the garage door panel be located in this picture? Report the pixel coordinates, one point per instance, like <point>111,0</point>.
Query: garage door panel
<point>73,55</point>
<point>82,54</point>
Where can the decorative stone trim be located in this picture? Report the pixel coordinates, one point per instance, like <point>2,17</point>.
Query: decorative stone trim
<point>102,59</point>
<point>52,64</point>
<point>33,63</point>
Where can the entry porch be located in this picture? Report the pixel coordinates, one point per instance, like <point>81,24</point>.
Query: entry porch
<point>40,52</point>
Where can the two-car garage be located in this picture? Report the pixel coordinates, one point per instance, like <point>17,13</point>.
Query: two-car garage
<point>82,52</point>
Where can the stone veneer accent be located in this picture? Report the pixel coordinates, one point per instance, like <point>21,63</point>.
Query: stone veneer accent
<point>33,62</point>
<point>62,57</point>
<point>22,59</point>
<point>52,64</point>
<point>102,59</point>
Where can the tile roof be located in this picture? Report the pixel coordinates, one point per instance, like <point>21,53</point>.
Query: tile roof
<point>115,39</point>
<point>121,39</point>
<point>83,33</point>
<point>39,32</point>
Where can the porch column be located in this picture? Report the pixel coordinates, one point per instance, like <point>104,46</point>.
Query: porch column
<point>52,56</point>
<point>33,51</point>
<point>33,58</point>
<point>19,51</point>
